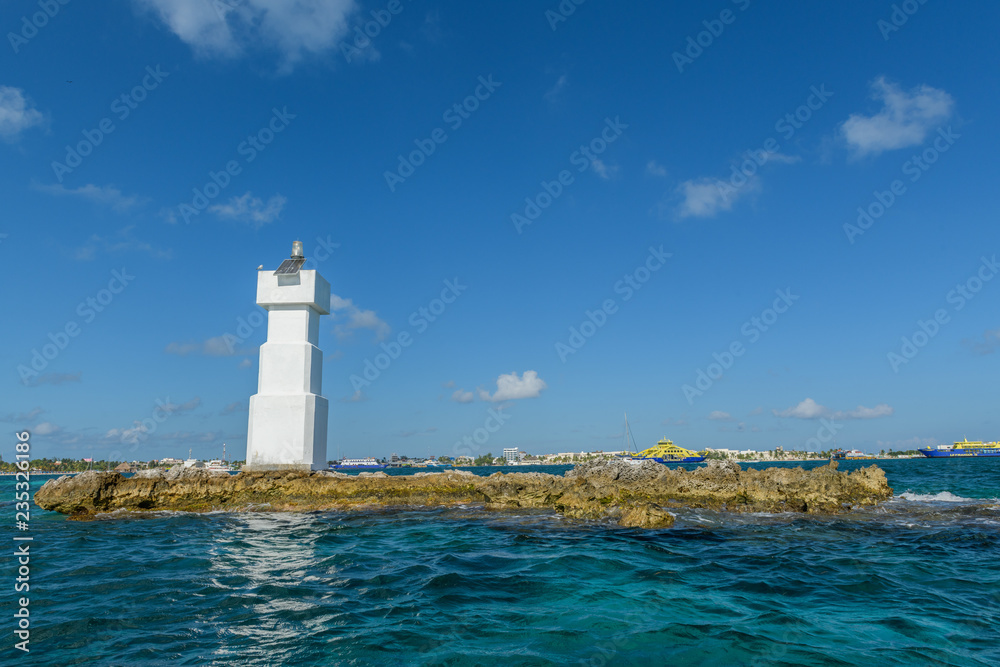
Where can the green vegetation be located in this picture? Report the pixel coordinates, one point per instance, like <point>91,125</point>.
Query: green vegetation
<point>484,460</point>
<point>65,465</point>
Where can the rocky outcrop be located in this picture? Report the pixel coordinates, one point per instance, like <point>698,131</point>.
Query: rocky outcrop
<point>635,495</point>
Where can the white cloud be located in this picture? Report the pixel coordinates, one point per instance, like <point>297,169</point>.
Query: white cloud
<point>604,171</point>
<point>462,396</point>
<point>356,397</point>
<point>108,195</point>
<point>356,318</point>
<point>807,409</point>
<point>16,113</point>
<point>237,406</point>
<point>861,412</point>
<point>23,417</point>
<point>511,387</point>
<point>246,363</point>
<point>45,428</point>
<point>810,409</point>
<point>226,28</point>
<point>989,343</point>
<point>655,169</point>
<point>904,120</point>
<point>705,197</point>
<point>250,209</point>
<point>720,416</point>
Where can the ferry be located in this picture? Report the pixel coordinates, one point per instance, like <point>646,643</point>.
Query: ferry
<point>666,451</point>
<point>962,448</point>
<point>358,464</point>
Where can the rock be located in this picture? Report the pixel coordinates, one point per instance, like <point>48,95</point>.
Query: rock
<point>636,495</point>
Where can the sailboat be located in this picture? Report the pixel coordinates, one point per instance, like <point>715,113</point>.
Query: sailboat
<point>629,446</point>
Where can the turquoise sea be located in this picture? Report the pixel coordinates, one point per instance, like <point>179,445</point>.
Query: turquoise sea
<point>914,582</point>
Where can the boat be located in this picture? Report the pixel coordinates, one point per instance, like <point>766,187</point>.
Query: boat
<point>431,463</point>
<point>963,447</point>
<point>665,451</point>
<point>850,455</point>
<point>358,464</point>
<point>629,446</point>
<point>219,465</point>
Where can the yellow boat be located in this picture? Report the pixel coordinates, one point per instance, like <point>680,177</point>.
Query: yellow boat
<point>666,451</point>
<point>962,448</point>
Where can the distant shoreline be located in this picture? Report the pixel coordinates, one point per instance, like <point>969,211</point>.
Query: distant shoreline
<point>529,465</point>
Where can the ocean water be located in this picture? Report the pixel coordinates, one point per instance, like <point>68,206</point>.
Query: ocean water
<point>913,582</point>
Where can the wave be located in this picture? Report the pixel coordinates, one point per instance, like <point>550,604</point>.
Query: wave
<point>943,497</point>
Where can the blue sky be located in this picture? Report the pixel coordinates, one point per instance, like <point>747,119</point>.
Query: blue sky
<point>682,174</point>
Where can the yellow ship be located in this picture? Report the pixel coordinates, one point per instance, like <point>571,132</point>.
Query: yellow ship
<point>962,448</point>
<point>666,451</point>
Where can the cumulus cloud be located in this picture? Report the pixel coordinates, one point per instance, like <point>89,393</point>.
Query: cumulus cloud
<point>720,416</point>
<point>706,197</point>
<point>142,429</point>
<point>251,210</point>
<point>229,29</point>
<point>462,396</point>
<point>807,409</point>
<point>511,387</point>
<point>351,318</point>
<point>16,113</point>
<point>107,195</point>
<point>810,409</point>
<point>45,428</point>
<point>904,120</point>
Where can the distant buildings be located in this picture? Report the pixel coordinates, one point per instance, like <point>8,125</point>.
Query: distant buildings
<point>512,456</point>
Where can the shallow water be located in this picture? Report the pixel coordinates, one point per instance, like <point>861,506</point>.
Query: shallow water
<point>915,581</point>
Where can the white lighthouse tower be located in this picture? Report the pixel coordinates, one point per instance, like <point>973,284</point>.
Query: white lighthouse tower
<point>288,414</point>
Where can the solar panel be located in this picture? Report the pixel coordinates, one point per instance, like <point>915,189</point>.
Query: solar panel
<point>290,267</point>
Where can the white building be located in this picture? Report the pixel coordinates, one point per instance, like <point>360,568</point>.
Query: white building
<point>511,456</point>
<point>288,414</point>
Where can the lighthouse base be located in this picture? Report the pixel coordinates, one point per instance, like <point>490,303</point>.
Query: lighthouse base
<point>272,445</point>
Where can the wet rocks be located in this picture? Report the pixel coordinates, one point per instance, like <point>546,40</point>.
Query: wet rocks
<point>635,495</point>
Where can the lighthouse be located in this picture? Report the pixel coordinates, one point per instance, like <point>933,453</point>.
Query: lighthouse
<point>288,414</point>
